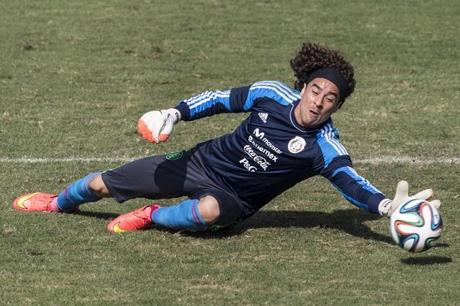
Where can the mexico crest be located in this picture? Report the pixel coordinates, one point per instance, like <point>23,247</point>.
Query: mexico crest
<point>296,145</point>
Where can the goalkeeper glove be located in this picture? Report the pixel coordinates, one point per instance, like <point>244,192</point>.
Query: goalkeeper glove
<point>387,206</point>
<point>156,126</point>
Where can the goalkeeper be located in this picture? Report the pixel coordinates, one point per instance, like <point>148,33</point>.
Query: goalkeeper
<point>288,137</point>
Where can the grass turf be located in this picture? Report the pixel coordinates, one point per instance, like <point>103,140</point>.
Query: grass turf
<point>75,77</point>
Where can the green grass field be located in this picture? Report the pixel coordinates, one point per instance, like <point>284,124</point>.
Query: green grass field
<point>76,75</point>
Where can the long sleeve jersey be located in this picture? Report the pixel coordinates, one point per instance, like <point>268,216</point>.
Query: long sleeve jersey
<point>270,152</point>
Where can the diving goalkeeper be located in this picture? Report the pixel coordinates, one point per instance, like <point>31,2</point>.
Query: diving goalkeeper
<point>288,137</point>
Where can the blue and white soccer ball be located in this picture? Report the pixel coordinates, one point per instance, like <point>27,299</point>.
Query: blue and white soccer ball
<point>415,225</point>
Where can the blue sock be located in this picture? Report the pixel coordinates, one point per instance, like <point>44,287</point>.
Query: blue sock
<point>184,215</point>
<point>77,193</point>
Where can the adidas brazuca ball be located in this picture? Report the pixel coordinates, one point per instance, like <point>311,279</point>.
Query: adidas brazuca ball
<point>415,225</point>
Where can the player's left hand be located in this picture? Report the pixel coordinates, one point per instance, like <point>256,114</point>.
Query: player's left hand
<point>387,206</point>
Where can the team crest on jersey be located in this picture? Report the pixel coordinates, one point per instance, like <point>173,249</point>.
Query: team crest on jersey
<point>296,145</point>
<point>263,117</point>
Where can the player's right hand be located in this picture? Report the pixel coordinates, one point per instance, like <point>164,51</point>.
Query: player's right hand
<point>387,206</point>
<point>156,126</point>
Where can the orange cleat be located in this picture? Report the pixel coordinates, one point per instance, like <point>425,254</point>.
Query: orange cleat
<point>38,201</point>
<point>138,219</point>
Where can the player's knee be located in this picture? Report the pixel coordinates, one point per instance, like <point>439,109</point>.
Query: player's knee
<point>97,186</point>
<point>209,209</point>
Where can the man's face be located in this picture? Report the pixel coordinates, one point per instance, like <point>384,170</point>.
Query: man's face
<point>319,100</point>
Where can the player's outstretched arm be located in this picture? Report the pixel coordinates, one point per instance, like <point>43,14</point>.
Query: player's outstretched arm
<point>360,192</point>
<point>156,126</point>
<point>387,206</point>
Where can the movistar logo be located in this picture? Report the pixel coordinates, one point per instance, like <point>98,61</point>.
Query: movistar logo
<point>261,135</point>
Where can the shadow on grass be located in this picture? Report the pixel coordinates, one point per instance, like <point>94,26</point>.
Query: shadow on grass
<point>98,215</point>
<point>428,260</point>
<point>350,221</point>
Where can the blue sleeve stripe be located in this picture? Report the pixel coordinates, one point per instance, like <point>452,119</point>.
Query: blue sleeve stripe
<point>337,146</point>
<point>329,145</point>
<point>353,201</point>
<point>281,88</point>
<point>207,96</point>
<point>357,178</point>
<point>330,137</point>
<point>199,97</point>
<point>207,100</point>
<point>271,89</point>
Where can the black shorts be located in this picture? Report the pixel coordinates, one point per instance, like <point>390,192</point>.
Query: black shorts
<point>172,175</point>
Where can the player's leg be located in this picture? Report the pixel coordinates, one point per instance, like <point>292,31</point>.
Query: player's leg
<point>190,214</point>
<point>131,180</point>
<point>214,210</point>
<point>98,186</point>
<point>68,200</point>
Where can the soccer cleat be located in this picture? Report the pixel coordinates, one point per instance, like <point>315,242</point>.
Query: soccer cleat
<point>138,219</point>
<point>38,201</point>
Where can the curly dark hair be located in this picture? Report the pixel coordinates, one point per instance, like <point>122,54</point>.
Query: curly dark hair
<point>312,56</point>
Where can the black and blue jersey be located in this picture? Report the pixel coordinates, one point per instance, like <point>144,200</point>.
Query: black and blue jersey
<point>270,152</point>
